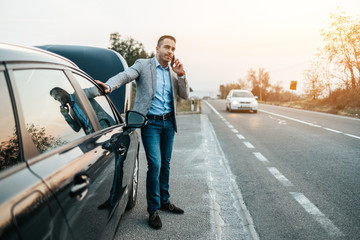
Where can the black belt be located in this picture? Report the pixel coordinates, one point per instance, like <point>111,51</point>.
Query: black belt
<point>164,117</point>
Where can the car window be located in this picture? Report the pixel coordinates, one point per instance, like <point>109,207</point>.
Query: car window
<point>52,112</point>
<point>100,104</point>
<point>9,144</point>
<point>242,94</point>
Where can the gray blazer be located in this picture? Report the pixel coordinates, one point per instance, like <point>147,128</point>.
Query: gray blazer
<point>144,73</point>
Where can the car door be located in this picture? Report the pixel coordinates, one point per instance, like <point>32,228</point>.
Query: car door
<point>71,154</point>
<point>27,205</point>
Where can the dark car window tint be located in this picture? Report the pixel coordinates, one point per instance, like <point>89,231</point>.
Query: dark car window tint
<point>9,145</point>
<point>100,104</point>
<point>52,112</point>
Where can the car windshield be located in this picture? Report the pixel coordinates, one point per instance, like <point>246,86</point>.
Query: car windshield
<point>242,94</point>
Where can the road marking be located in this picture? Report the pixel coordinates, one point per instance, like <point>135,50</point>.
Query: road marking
<point>230,126</point>
<point>240,136</point>
<point>333,130</point>
<point>350,135</point>
<point>219,176</point>
<point>329,227</point>
<point>260,157</point>
<point>248,145</point>
<point>290,118</point>
<point>280,177</point>
<point>310,124</point>
<point>234,130</point>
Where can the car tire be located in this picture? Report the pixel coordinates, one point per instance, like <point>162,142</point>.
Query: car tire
<point>134,185</point>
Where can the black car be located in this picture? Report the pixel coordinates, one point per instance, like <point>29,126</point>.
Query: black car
<point>68,161</point>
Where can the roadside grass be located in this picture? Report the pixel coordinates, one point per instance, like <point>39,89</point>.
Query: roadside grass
<point>184,106</point>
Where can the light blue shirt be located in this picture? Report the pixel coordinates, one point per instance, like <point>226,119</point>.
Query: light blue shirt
<point>162,102</point>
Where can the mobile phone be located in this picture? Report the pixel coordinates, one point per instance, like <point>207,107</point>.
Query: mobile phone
<point>173,61</point>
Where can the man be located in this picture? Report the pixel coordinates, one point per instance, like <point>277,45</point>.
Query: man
<point>71,111</point>
<point>157,85</point>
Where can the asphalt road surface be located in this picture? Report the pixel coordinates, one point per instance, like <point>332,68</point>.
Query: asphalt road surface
<point>278,174</point>
<point>298,171</point>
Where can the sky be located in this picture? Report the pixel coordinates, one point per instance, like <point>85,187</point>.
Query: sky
<point>217,41</point>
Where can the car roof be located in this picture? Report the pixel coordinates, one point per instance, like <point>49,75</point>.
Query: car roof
<point>99,63</point>
<point>15,53</point>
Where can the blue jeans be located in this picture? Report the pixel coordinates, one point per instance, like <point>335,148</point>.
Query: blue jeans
<point>158,139</point>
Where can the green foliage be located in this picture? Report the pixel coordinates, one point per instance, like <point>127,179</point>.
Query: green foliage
<point>129,48</point>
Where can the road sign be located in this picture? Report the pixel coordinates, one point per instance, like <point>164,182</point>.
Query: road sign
<point>293,85</point>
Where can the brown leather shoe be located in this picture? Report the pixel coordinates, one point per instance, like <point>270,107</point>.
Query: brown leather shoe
<point>155,221</point>
<point>169,207</point>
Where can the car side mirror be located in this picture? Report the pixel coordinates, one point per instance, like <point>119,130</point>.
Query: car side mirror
<point>134,119</point>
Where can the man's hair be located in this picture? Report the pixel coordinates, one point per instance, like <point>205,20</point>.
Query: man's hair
<point>161,39</point>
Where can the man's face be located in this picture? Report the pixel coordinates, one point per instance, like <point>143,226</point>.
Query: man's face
<point>165,51</point>
<point>61,96</point>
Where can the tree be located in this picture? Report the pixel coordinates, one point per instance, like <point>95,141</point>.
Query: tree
<point>313,79</point>
<point>342,46</point>
<point>260,82</point>
<point>129,48</point>
<point>9,149</point>
<point>42,141</point>
<point>225,89</point>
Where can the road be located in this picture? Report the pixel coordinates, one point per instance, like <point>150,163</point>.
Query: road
<point>278,174</point>
<point>298,171</point>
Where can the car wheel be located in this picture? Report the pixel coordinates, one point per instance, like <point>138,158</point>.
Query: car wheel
<point>227,109</point>
<point>134,185</point>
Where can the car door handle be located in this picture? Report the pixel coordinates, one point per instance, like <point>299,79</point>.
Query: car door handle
<point>111,146</point>
<point>121,150</point>
<point>81,186</point>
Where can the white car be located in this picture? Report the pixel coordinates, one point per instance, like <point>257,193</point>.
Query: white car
<point>241,100</point>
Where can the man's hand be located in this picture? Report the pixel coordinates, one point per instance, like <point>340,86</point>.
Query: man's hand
<point>178,68</point>
<point>103,86</point>
<point>64,110</point>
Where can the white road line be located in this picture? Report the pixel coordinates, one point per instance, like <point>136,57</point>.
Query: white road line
<point>310,124</point>
<point>350,135</point>
<point>248,145</point>
<point>333,130</point>
<point>280,177</point>
<point>216,180</point>
<point>290,118</point>
<point>260,157</point>
<point>329,227</point>
<point>240,136</point>
<point>230,126</point>
<point>234,130</point>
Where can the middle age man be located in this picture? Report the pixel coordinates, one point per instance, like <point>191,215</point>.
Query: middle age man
<point>158,83</point>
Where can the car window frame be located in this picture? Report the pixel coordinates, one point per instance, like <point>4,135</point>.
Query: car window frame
<point>22,164</point>
<point>28,149</point>
<point>118,119</point>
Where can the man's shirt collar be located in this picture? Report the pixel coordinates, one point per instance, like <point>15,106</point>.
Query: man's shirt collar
<point>158,64</point>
